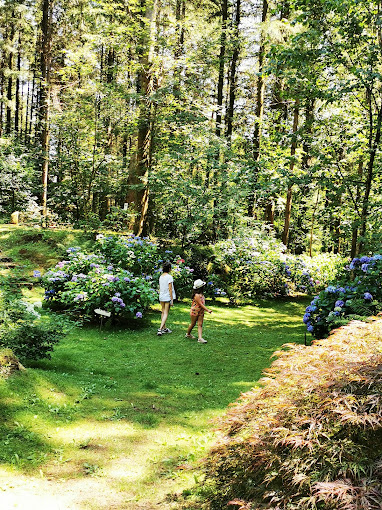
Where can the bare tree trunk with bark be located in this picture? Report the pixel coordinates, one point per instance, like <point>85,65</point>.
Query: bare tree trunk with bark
<point>44,99</point>
<point>259,112</point>
<point>288,206</point>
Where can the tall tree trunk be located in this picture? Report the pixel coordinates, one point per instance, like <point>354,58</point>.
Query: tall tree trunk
<point>33,101</point>
<point>288,206</point>
<point>312,225</point>
<point>374,141</point>
<point>44,98</point>
<point>259,112</point>
<point>180,12</point>
<point>138,194</point>
<point>18,106</point>
<point>8,124</point>
<point>222,56</point>
<point>354,240</point>
<point>232,72</point>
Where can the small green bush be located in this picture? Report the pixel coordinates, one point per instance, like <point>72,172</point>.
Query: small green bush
<point>309,437</point>
<point>29,334</point>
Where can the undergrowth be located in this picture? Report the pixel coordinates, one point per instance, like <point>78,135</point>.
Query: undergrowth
<point>310,436</point>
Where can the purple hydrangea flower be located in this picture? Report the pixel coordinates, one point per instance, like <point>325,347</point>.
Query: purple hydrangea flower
<point>138,315</point>
<point>367,296</point>
<point>306,318</point>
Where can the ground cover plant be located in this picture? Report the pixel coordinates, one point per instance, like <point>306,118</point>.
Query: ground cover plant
<point>123,417</point>
<point>356,293</point>
<point>309,436</point>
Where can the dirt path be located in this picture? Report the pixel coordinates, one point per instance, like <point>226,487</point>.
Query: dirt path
<point>32,493</point>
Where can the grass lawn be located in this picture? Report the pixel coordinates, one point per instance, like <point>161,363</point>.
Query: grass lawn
<point>119,419</point>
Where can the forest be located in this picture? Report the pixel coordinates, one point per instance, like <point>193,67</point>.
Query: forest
<point>237,142</point>
<point>187,120</point>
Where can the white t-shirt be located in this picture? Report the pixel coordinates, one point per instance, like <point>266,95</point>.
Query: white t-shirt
<point>164,292</point>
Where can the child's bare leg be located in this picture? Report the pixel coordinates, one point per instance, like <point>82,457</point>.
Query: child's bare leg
<point>200,326</point>
<point>191,326</point>
<point>165,310</point>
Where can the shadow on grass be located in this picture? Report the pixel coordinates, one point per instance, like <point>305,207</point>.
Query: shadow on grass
<point>135,378</point>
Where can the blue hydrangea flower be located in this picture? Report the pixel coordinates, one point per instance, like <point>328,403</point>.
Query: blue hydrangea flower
<point>138,315</point>
<point>306,318</point>
<point>364,260</point>
<point>36,274</point>
<point>367,296</point>
<point>339,303</point>
<point>310,329</point>
<point>331,289</point>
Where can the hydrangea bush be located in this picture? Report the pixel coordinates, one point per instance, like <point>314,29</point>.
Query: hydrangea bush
<point>86,282</point>
<point>251,268</point>
<point>259,266</point>
<point>310,275</point>
<point>121,278</point>
<point>357,294</point>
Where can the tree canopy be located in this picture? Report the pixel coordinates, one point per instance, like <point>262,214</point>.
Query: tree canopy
<point>189,119</point>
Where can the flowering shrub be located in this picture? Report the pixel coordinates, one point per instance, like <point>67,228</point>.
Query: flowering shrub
<point>136,254</point>
<point>259,266</point>
<point>121,278</point>
<point>312,274</point>
<point>251,268</point>
<point>358,294</point>
<point>84,283</point>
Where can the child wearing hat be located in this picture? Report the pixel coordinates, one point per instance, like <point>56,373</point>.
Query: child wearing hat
<point>197,310</point>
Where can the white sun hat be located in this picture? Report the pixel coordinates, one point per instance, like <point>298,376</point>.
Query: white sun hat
<point>198,284</point>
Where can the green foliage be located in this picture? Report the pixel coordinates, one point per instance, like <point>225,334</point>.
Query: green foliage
<point>28,333</point>
<point>356,294</point>
<point>309,436</point>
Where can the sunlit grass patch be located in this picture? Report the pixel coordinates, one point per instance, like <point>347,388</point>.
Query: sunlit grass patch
<point>136,410</point>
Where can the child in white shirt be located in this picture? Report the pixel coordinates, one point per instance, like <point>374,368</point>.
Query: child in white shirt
<point>166,296</point>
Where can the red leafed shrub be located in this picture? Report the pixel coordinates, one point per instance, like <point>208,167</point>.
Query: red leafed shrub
<point>311,436</point>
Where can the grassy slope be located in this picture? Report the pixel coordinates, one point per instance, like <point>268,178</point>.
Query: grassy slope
<point>33,248</point>
<point>127,407</point>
